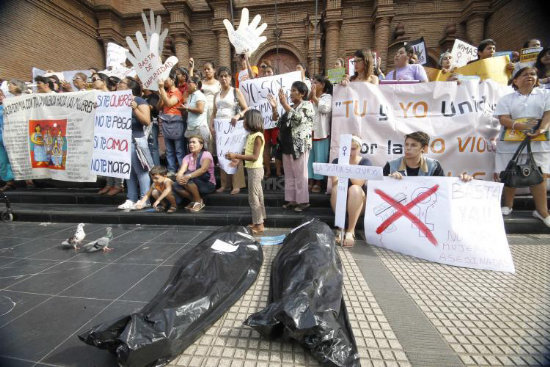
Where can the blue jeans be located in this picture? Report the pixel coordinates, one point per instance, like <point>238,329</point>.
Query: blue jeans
<point>175,151</point>
<point>6,173</point>
<point>154,144</point>
<point>138,176</point>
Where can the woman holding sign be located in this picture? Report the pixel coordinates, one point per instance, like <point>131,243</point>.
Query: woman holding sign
<point>229,104</point>
<point>403,69</point>
<point>526,111</point>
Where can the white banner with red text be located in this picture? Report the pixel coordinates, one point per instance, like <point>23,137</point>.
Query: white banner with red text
<point>458,118</point>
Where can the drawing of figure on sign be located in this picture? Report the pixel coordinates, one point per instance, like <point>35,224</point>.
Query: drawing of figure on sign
<point>422,209</point>
<point>385,210</point>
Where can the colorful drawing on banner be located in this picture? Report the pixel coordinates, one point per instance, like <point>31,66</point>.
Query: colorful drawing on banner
<point>229,139</point>
<point>147,62</point>
<point>491,68</point>
<point>463,53</point>
<point>419,47</point>
<point>255,92</point>
<point>248,37</point>
<point>336,75</point>
<point>439,219</point>
<point>48,143</point>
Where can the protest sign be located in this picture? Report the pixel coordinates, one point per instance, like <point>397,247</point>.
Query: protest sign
<point>50,135</point>
<point>336,75</point>
<point>115,56</point>
<point>439,219</point>
<point>459,119</point>
<point>351,66</point>
<point>419,47</point>
<point>113,134</point>
<point>247,38</point>
<point>152,27</point>
<point>493,68</point>
<point>462,53</point>
<point>229,139</point>
<point>147,62</point>
<point>255,92</point>
<point>529,55</point>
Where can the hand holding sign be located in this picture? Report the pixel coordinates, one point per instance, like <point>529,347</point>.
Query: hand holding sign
<point>247,38</point>
<point>154,27</point>
<point>147,62</point>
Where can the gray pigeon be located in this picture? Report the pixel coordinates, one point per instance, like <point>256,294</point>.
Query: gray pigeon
<point>76,239</point>
<point>101,244</point>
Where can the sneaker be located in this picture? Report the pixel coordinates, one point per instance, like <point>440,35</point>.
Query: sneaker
<point>127,205</point>
<point>506,210</point>
<point>544,220</point>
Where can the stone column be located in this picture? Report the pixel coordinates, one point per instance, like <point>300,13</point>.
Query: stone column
<point>382,33</point>
<point>224,48</point>
<point>181,43</point>
<point>332,41</point>
<point>475,28</point>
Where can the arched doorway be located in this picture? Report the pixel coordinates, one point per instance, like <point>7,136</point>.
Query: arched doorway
<point>283,62</point>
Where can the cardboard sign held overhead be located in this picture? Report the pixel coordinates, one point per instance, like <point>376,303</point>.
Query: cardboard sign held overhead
<point>247,38</point>
<point>419,47</point>
<point>462,53</point>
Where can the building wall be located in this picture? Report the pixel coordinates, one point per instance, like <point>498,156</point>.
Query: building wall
<point>516,21</point>
<point>60,36</point>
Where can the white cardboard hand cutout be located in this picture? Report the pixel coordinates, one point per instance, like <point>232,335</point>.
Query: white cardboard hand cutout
<point>147,62</point>
<point>247,38</point>
<point>154,27</point>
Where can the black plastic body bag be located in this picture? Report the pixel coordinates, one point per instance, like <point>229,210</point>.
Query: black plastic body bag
<point>305,296</point>
<point>206,281</point>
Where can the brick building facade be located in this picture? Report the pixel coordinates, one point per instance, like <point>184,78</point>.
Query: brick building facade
<point>72,34</point>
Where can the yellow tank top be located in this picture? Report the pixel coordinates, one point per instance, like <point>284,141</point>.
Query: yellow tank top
<point>249,150</point>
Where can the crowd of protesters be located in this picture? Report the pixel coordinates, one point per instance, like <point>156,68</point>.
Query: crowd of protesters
<point>180,117</point>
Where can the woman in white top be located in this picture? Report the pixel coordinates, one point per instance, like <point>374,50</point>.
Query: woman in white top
<point>321,98</point>
<point>526,110</point>
<point>197,124</point>
<point>229,103</point>
<point>210,87</point>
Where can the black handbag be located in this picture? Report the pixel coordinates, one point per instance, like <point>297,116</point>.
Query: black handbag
<point>522,175</point>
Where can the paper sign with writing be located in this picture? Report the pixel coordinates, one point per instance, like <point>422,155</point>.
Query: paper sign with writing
<point>116,55</point>
<point>336,75</point>
<point>113,135</point>
<point>528,55</point>
<point>147,62</point>
<point>419,47</point>
<point>351,66</point>
<point>439,219</point>
<point>255,92</point>
<point>229,139</point>
<point>462,53</point>
<point>247,37</point>
<point>491,68</point>
<point>50,135</point>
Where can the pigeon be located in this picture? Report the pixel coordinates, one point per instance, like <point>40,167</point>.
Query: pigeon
<point>76,239</point>
<point>101,243</point>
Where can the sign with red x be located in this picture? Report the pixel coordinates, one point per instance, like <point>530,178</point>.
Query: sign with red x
<point>404,210</point>
<point>439,219</point>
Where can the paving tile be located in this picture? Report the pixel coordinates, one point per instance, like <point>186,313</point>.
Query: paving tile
<point>56,319</point>
<point>147,288</point>
<point>110,282</point>
<point>13,304</point>
<point>22,269</point>
<point>10,362</point>
<point>151,253</point>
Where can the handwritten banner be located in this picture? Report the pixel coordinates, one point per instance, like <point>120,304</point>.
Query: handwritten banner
<point>116,55</point>
<point>50,135</point>
<point>419,47</point>
<point>229,139</point>
<point>113,135</point>
<point>336,75</point>
<point>459,119</point>
<point>462,53</point>
<point>439,219</point>
<point>348,171</point>
<point>255,92</point>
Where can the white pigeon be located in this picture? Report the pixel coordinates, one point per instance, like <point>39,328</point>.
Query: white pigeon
<point>76,239</point>
<point>101,244</point>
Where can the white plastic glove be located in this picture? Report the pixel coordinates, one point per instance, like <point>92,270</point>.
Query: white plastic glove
<point>246,39</point>
<point>147,62</point>
<point>154,27</point>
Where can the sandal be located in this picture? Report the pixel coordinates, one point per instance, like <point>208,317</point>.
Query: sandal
<point>197,207</point>
<point>235,191</point>
<point>290,205</point>
<point>316,188</point>
<point>190,205</point>
<point>160,209</point>
<point>258,229</point>
<point>349,240</point>
<point>338,236</point>
<point>171,210</point>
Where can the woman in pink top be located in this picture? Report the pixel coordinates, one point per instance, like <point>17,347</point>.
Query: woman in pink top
<point>196,174</point>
